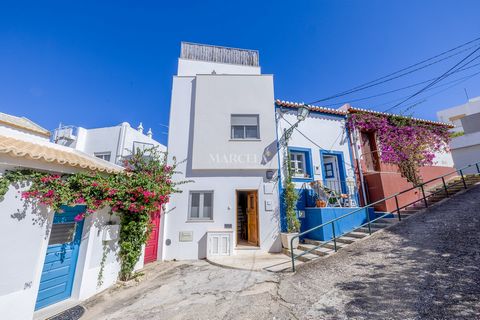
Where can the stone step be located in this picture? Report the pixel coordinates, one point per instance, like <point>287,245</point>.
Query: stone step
<point>347,239</point>
<point>321,251</point>
<point>365,229</point>
<point>324,244</point>
<point>297,253</point>
<point>379,225</point>
<point>357,234</point>
<point>331,245</point>
<point>390,221</point>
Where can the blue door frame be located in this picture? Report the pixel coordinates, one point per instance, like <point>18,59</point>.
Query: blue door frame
<point>341,167</point>
<point>58,272</point>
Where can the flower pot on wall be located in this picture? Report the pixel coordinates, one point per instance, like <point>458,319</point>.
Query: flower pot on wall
<point>321,203</point>
<point>110,232</point>
<point>287,238</point>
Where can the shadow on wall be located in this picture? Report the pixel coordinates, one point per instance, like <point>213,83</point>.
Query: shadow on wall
<point>202,247</point>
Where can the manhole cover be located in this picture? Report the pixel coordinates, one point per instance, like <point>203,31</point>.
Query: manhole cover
<point>70,314</point>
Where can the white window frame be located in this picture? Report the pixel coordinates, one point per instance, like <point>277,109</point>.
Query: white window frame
<point>101,155</point>
<point>201,216</point>
<point>257,118</point>
<point>295,164</point>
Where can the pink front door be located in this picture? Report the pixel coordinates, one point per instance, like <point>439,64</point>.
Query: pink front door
<point>151,247</point>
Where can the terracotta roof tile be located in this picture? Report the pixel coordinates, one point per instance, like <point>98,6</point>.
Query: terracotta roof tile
<point>289,104</point>
<point>52,153</point>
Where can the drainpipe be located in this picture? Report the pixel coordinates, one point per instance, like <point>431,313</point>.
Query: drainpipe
<point>353,137</point>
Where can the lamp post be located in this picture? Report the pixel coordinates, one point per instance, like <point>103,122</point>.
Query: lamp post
<point>302,114</point>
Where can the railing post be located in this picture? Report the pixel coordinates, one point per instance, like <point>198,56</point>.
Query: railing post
<point>368,219</point>
<point>463,179</point>
<point>398,208</point>
<point>334,237</point>
<point>445,187</point>
<point>478,168</point>
<point>423,194</point>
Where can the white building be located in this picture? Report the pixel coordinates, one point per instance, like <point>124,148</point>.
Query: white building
<point>455,114</point>
<point>109,143</point>
<point>222,122</point>
<point>49,261</point>
<point>465,147</point>
<point>319,148</point>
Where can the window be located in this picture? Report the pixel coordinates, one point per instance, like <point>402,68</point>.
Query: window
<point>62,233</point>
<point>201,205</point>
<point>329,173</point>
<point>103,155</point>
<point>245,126</point>
<point>297,160</point>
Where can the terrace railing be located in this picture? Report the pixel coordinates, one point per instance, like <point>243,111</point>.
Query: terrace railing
<point>424,198</point>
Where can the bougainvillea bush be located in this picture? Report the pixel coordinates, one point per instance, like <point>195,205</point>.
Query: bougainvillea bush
<point>136,193</point>
<point>403,141</point>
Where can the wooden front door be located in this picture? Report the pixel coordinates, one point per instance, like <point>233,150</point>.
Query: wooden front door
<point>151,247</point>
<point>252,217</point>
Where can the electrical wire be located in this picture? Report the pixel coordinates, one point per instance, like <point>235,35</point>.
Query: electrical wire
<point>387,79</point>
<point>440,78</point>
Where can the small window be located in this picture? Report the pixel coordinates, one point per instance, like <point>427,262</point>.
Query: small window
<point>201,205</point>
<point>329,173</point>
<point>245,127</point>
<point>297,161</point>
<point>103,155</point>
<point>62,233</point>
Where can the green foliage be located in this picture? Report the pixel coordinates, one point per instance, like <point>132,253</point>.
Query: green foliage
<point>457,134</point>
<point>290,197</point>
<point>136,193</point>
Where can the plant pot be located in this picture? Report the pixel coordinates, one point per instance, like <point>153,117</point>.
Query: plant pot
<point>286,240</point>
<point>110,232</point>
<point>321,203</point>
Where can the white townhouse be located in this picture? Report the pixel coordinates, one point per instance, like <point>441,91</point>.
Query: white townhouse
<point>222,123</point>
<point>50,261</point>
<point>319,149</point>
<point>108,143</point>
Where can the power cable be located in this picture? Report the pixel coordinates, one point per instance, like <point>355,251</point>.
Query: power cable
<point>376,81</point>
<point>440,78</point>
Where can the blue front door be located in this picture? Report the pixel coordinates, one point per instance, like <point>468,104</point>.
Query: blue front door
<point>60,262</point>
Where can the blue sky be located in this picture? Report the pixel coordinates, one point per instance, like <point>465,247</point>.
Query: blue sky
<point>101,63</point>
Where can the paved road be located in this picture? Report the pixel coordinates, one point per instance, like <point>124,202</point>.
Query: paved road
<point>427,267</point>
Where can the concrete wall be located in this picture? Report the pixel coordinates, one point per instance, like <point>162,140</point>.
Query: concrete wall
<point>24,239</point>
<point>471,123</point>
<point>217,97</point>
<point>453,115</point>
<point>24,243</point>
<point>193,67</point>
<point>223,180</point>
<point>466,156</point>
<point>327,131</point>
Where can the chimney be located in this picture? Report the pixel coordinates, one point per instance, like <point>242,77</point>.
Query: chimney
<point>150,133</point>
<point>140,128</point>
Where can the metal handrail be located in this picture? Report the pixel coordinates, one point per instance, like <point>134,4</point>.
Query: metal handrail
<point>424,198</point>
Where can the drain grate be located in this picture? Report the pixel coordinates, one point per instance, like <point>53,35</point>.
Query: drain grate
<point>71,314</point>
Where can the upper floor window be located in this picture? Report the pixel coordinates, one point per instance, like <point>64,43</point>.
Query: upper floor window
<point>245,126</point>
<point>103,155</point>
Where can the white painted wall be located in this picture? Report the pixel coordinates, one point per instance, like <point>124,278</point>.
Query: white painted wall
<point>325,130</point>
<point>118,140</point>
<point>224,181</point>
<point>217,97</point>
<point>466,150</point>
<point>24,239</point>
<point>193,67</point>
<point>472,106</point>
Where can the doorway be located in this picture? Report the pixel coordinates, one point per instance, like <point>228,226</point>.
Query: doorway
<point>151,247</point>
<point>247,218</point>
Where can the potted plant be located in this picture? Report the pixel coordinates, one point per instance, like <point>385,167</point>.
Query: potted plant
<point>290,197</point>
